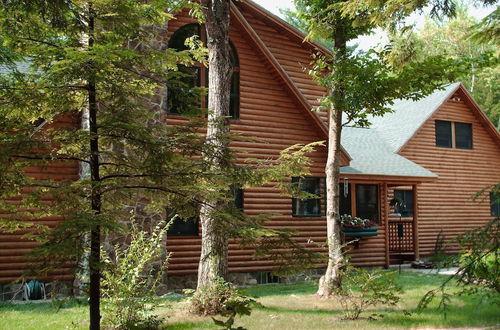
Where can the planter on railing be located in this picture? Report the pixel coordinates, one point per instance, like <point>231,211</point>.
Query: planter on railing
<point>359,231</point>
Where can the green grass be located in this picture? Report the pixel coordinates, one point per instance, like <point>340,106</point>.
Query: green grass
<point>283,307</point>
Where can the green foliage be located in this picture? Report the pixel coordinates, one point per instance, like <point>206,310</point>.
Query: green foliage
<point>452,38</point>
<point>130,277</point>
<point>479,271</point>
<point>221,298</point>
<point>362,288</point>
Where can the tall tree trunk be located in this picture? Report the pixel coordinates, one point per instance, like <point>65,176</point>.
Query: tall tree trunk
<point>95,234</point>
<point>214,246</point>
<point>333,277</point>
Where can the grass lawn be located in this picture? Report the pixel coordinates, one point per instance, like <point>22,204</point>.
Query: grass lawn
<point>284,307</point>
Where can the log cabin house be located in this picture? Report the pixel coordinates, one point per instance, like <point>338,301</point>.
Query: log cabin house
<point>432,154</point>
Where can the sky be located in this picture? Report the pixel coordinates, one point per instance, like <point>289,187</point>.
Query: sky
<point>366,42</point>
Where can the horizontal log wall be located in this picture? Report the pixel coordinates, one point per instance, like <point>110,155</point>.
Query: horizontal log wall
<point>270,114</point>
<point>13,247</point>
<point>446,204</point>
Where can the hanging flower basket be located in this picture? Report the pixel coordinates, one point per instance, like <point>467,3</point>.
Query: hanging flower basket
<point>357,227</point>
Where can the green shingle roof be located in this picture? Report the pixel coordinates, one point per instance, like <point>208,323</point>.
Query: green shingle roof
<point>372,155</point>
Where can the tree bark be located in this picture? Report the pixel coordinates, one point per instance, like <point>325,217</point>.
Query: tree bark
<point>96,196</point>
<point>214,246</point>
<point>332,279</point>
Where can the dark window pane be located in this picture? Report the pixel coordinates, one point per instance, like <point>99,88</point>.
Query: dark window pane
<point>443,133</point>
<point>181,226</point>
<point>367,202</point>
<point>233,55</point>
<point>406,198</point>
<point>183,93</point>
<point>178,39</point>
<point>345,201</point>
<point>238,198</point>
<point>234,98</point>
<point>463,135</point>
<point>495,204</point>
<point>309,206</point>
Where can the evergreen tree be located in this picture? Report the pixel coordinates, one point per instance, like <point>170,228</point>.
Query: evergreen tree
<point>85,82</point>
<point>99,63</point>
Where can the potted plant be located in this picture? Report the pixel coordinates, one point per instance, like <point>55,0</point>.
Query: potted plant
<point>357,227</point>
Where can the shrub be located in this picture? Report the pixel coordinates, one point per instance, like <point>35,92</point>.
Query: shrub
<point>484,270</point>
<point>221,299</point>
<point>363,288</point>
<point>131,277</point>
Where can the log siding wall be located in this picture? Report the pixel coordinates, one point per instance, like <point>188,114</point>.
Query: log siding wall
<point>270,114</point>
<point>13,247</point>
<point>446,204</point>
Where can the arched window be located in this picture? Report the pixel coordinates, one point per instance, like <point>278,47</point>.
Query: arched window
<point>183,86</point>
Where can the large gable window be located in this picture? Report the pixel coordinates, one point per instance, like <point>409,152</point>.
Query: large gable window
<point>183,93</point>
<point>309,207</point>
<point>453,134</point>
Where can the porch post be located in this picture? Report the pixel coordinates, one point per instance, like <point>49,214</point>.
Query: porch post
<point>385,221</point>
<point>415,222</point>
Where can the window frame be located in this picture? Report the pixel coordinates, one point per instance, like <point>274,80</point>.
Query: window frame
<point>356,213</point>
<point>471,135</point>
<point>494,204</point>
<point>234,107</point>
<point>194,219</point>
<point>453,134</point>
<point>405,191</point>
<point>450,133</point>
<point>322,211</point>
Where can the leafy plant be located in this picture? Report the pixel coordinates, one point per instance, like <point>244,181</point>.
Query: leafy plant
<point>130,279</point>
<point>347,220</point>
<point>363,288</point>
<point>439,257</point>
<point>223,299</point>
<point>479,268</point>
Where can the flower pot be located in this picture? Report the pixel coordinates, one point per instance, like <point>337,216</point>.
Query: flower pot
<point>359,231</point>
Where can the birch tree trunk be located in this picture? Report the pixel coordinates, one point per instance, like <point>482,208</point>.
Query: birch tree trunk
<point>333,277</point>
<point>214,246</point>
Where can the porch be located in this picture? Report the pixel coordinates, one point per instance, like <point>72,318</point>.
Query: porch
<point>393,206</point>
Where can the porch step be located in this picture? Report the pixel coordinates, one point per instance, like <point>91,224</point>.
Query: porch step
<point>396,259</point>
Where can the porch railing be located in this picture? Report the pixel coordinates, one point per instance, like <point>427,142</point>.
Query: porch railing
<point>401,235</point>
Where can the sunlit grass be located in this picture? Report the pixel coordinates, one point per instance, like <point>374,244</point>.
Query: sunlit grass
<point>283,307</point>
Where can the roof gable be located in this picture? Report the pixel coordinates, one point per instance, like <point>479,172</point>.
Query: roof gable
<point>407,116</point>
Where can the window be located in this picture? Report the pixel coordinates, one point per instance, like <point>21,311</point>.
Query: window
<point>453,134</point>
<point>183,93</point>
<point>309,207</point>
<point>463,135</point>
<point>345,199</point>
<point>406,197</point>
<point>367,202</point>
<point>495,204</point>
<point>181,226</point>
<point>238,195</point>
<point>443,134</point>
